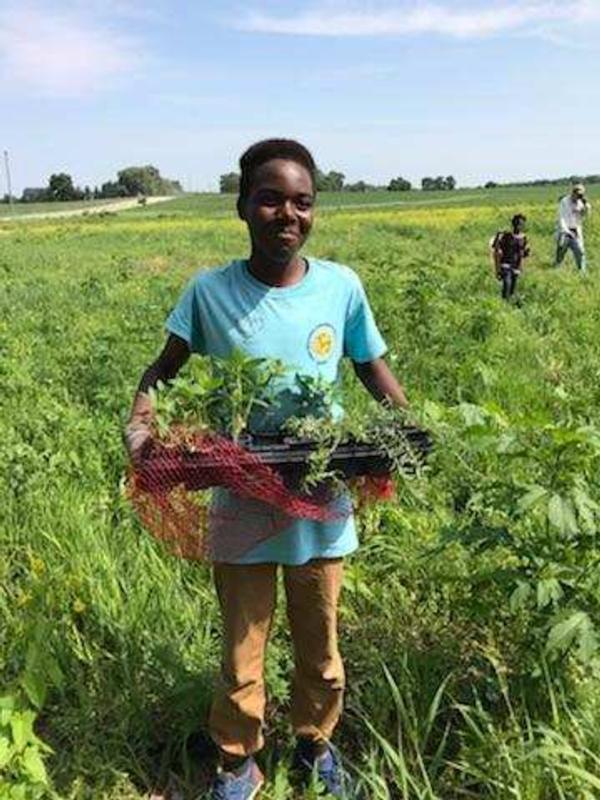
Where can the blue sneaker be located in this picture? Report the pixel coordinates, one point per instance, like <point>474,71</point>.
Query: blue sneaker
<point>243,784</point>
<point>325,767</point>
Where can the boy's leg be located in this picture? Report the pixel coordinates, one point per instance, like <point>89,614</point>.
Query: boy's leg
<point>562,245</point>
<point>506,279</point>
<point>312,592</point>
<point>247,595</point>
<point>578,253</point>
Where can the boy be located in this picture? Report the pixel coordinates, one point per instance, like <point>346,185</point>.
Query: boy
<point>307,313</point>
<point>510,249</point>
<point>572,209</point>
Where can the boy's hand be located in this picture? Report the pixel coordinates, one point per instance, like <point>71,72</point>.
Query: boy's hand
<point>138,439</point>
<point>138,433</point>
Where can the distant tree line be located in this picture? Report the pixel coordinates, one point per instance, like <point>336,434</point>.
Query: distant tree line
<point>546,181</point>
<point>131,182</point>
<point>333,181</point>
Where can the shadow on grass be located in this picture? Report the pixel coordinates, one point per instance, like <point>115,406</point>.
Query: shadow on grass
<point>127,738</point>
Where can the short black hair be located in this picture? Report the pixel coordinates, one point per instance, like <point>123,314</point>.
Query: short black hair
<point>518,218</point>
<point>266,150</point>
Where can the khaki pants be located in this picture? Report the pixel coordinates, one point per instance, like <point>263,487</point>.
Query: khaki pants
<point>247,595</point>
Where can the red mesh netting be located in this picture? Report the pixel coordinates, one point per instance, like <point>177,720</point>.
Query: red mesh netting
<point>209,498</point>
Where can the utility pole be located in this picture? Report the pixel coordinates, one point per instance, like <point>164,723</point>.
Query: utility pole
<point>7,168</point>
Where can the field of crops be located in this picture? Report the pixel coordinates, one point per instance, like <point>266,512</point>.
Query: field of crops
<point>470,613</point>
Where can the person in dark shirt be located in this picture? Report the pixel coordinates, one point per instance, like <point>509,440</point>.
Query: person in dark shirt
<point>510,249</point>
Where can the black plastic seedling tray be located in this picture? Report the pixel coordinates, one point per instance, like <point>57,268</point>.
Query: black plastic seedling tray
<point>349,459</point>
<point>291,459</point>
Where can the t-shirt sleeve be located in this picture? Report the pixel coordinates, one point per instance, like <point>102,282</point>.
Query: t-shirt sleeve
<point>362,340</point>
<point>185,320</point>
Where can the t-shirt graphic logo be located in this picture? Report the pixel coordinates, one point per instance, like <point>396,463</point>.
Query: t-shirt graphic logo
<point>321,342</point>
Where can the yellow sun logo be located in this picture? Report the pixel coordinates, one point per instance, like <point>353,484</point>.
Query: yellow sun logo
<point>321,342</point>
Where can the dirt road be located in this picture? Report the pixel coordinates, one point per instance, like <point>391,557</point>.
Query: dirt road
<point>118,205</point>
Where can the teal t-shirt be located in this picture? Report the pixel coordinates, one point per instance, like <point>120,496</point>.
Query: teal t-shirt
<point>309,327</point>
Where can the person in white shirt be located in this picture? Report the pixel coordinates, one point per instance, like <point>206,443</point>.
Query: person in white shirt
<point>572,209</point>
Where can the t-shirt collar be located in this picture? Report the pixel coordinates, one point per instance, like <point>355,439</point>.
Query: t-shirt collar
<point>265,288</point>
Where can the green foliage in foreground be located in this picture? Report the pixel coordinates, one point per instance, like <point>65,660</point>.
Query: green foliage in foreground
<point>469,618</point>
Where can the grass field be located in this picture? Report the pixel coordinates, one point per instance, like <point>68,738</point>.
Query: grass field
<point>469,617</point>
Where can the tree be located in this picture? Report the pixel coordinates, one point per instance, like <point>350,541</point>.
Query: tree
<point>359,186</point>
<point>439,184</point>
<point>229,183</point>
<point>490,185</point>
<point>113,189</point>
<point>138,180</point>
<point>146,180</point>
<point>399,185</point>
<point>450,183</point>
<point>60,188</point>
<point>336,180</point>
<point>321,181</point>
<point>330,182</point>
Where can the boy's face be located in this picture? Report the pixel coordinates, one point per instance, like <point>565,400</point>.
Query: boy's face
<point>279,209</point>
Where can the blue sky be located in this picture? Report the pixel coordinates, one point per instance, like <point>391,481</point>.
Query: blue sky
<point>495,90</point>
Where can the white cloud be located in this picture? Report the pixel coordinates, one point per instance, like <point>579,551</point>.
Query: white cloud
<point>425,18</point>
<point>62,55</point>
<point>587,11</point>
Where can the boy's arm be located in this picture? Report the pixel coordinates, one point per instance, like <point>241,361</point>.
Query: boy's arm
<point>563,227</point>
<point>138,433</point>
<point>496,254</point>
<point>498,260</point>
<point>379,380</point>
